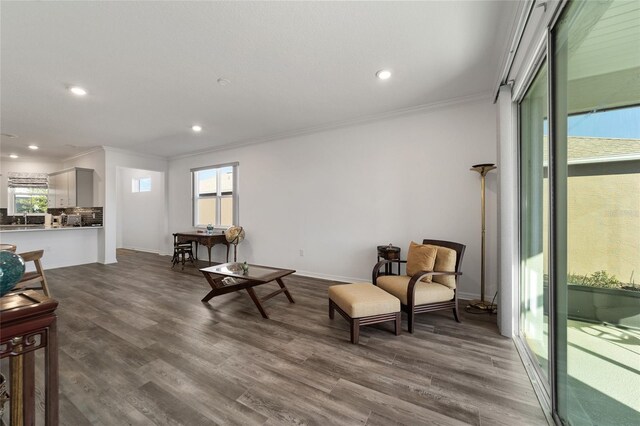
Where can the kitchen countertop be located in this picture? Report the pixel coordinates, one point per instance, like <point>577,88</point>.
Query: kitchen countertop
<point>34,228</point>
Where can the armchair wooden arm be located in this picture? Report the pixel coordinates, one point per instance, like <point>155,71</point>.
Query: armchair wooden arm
<point>376,269</point>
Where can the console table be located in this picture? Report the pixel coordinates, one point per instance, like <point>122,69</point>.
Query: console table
<point>28,323</point>
<point>207,240</point>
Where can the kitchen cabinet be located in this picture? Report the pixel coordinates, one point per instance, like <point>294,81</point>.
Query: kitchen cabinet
<point>71,188</point>
<point>62,190</point>
<point>53,185</point>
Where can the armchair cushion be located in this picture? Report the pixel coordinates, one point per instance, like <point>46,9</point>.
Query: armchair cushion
<point>425,292</point>
<point>445,262</point>
<point>421,257</point>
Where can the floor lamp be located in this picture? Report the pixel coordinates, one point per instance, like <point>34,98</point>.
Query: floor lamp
<point>483,169</point>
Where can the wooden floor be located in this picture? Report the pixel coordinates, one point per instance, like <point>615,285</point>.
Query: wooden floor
<point>138,347</point>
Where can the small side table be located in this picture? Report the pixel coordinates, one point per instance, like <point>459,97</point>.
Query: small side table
<point>28,323</point>
<point>389,252</point>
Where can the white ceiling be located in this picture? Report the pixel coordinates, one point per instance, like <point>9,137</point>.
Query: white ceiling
<point>605,40</point>
<point>151,68</point>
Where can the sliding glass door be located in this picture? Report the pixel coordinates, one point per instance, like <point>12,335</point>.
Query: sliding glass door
<point>534,231</point>
<point>579,126</point>
<point>596,139</point>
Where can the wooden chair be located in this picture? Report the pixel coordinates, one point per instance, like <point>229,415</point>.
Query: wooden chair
<point>181,251</point>
<point>34,277</point>
<point>417,296</point>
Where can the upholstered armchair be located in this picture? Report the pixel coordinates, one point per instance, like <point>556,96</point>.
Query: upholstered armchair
<point>430,285</point>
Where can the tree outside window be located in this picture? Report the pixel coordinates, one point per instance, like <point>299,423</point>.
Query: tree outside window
<point>30,200</point>
<point>28,192</point>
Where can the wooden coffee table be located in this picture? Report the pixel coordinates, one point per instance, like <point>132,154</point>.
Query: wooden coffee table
<point>229,277</point>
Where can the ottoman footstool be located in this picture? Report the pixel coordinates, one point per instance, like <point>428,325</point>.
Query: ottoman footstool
<point>363,304</point>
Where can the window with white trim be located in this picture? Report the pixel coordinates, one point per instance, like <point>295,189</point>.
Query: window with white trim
<point>28,193</point>
<point>215,196</point>
<point>141,184</point>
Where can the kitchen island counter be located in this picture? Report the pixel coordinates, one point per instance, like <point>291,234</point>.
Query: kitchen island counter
<point>63,246</point>
<point>31,228</point>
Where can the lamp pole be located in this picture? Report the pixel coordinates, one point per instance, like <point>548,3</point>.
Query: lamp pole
<point>483,169</point>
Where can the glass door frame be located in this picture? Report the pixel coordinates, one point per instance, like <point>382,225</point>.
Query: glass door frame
<point>544,389</point>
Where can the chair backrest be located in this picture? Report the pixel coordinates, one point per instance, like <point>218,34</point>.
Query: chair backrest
<point>35,277</point>
<point>459,248</point>
<point>184,244</point>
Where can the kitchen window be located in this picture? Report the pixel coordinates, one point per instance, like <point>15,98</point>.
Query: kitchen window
<point>215,195</point>
<point>28,193</point>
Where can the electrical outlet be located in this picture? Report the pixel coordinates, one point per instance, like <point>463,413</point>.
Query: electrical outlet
<point>301,252</point>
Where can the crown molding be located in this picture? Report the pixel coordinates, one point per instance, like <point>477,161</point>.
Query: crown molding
<point>82,154</point>
<point>478,97</point>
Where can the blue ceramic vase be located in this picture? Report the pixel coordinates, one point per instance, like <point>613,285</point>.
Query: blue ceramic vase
<point>11,271</point>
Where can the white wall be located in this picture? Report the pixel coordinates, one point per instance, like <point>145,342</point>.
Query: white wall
<point>23,166</point>
<point>117,158</point>
<point>140,214</point>
<point>338,194</point>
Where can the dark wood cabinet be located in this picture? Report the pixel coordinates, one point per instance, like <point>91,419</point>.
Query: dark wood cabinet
<point>27,324</point>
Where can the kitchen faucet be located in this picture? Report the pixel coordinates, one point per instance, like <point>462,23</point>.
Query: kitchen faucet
<point>25,217</point>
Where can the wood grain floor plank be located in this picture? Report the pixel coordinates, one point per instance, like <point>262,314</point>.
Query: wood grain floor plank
<point>319,402</point>
<point>390,406</point>
<point>202,393</point>
<point>160,405</point>
<point>409,387</point>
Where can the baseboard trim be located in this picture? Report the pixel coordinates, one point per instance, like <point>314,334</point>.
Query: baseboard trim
<point>468,296</point>
<point>145,250</point>
<point>329,277</point>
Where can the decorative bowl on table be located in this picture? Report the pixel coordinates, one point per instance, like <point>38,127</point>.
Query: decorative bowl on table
<point>235,267</point>
<point>11,271</point>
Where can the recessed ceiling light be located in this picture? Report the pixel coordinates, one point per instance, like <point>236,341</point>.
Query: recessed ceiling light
<point>13,156</point>
<point>77,90</point>
<point>196,128</point>
<point>383,74</point>
<point>34,147</point>
<point>223,81</point>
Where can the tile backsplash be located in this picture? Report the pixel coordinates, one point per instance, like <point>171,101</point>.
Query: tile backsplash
<point>90,216</point>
